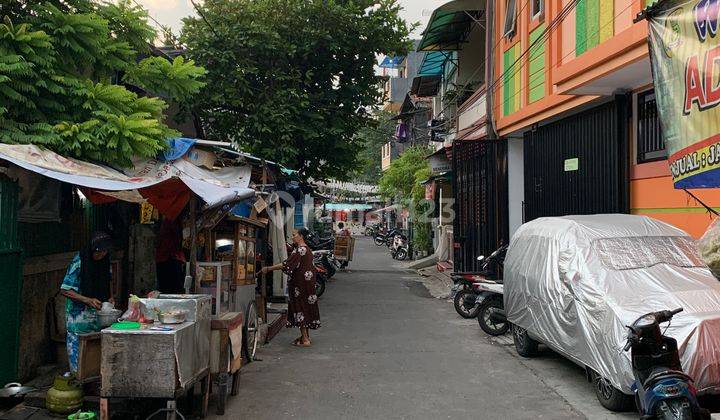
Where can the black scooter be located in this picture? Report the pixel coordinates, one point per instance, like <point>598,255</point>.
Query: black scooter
<point>387,237</point>
<point>470,294</point>
<point>662,390</point>
<point>317,243</point>
<point>491,309</point>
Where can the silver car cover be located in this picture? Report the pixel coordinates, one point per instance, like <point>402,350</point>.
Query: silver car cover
<point>575,282</point>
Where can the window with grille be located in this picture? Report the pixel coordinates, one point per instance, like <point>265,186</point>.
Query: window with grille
<point>650,144</point>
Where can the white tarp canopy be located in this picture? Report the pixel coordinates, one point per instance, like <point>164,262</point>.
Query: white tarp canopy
<point>576,282</point>
<point>214,187</point>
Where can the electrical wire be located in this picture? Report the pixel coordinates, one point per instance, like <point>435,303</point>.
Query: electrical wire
<point>481,66</point>
<point>556,64</point>
<point>541,39</point>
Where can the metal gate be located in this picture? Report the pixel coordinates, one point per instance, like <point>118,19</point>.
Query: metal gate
<point>579,165</point>
<point>10,281</point>
<point>481,200</point>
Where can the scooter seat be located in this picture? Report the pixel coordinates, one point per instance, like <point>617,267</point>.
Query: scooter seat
<point>664,373</point>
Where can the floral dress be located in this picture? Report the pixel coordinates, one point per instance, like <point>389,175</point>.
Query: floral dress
<point>303,309</point>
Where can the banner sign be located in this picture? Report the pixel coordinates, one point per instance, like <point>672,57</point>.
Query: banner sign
<point>686,69</point>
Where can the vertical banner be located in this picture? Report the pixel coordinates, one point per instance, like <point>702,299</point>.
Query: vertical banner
<point>686,71</point>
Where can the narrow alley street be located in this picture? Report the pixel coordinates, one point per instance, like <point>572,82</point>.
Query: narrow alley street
<point>387,349</point>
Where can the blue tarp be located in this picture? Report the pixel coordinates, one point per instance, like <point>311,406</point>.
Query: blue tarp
<point>392,62</point>
<point>177,148</point>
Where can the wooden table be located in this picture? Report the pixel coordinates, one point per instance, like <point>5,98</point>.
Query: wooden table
<point>223,363</point>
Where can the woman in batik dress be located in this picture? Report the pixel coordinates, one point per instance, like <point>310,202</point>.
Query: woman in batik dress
<point>303,309</point>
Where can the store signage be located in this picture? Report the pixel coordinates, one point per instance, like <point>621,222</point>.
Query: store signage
<point>440,164</point>
<point>686,67</point>
<point>572,164</point>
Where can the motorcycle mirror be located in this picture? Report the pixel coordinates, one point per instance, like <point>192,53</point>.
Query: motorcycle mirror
<point>480,258</point>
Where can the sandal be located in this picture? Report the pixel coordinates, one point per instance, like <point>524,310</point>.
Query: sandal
<point>298,343</point>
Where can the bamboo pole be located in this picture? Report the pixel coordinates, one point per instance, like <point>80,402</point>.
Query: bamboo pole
<point>193,245</point>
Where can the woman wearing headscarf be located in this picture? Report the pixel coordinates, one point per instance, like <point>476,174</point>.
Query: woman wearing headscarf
<point>86,285</point>
<point>303,311</point>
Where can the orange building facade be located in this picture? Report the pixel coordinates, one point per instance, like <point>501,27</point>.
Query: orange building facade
<point>571,77</point>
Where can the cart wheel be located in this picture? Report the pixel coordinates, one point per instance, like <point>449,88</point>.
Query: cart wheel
<point>250,333</point>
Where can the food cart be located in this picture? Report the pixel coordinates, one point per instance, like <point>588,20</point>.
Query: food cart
<point>226,272</point>
<point>158,361</point>
<point>344,248</point>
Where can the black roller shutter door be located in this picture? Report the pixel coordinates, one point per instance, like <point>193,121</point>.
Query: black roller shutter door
<point>598,139</point>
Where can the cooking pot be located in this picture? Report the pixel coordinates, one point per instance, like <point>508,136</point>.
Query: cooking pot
<point>13,393</point>
<point>109,317</point>
<point>172,317</point>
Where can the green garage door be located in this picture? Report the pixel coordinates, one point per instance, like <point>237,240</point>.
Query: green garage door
<point>10,281</point>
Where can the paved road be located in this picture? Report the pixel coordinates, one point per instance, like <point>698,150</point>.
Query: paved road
<point>388,350</point>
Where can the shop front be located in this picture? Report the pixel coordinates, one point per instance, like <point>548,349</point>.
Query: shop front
<point>222,241</point>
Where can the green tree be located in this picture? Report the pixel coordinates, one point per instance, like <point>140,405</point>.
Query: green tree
<point>401,179</point>
<point>289,80</point>
<point>370,138</point>
<point>61,63</point>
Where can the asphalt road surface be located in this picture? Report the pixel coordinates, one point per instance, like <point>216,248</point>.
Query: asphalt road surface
<point>388,350</point>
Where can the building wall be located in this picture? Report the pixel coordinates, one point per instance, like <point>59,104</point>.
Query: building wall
<point>386,155</point>
<point>516,184</point>
<point>577,65</point>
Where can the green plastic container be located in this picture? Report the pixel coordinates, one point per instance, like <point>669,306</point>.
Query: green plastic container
<point>88,415</point>
<point>126,325</point>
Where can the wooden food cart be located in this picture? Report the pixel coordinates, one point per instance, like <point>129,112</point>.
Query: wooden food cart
<point>228,276</point>
<point>344,248</point>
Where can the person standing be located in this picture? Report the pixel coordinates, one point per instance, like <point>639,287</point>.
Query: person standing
<point>86,286</point>
<point>169,258</point>
<point>303,311</point>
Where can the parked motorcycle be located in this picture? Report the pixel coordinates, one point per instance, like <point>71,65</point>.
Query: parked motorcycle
<point>662,390</point>
<point>317,243</point>
<point>489,288</point>
<point>327,260</point>
<point>464,295</point>
<point>372,230</point>
<point>387,237</point>
<point>400,248</point>
<point>321,277</point>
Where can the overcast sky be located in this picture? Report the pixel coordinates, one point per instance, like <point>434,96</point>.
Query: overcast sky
<point>170,12</point>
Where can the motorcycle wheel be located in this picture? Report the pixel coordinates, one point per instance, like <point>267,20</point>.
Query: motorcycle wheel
<point>612,398</point>
<point>465,304</point>
<point>524,345</point>
<point>379,241</point>
<point>487,308</point>
<point>368,231</point>
<point>331,270</point>
<point>319,286</point>
<point>401,254</point>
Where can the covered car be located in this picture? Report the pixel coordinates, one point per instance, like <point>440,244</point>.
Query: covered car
<point>574,283</point>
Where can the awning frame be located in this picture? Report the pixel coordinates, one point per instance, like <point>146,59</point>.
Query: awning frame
<point>450,25</point>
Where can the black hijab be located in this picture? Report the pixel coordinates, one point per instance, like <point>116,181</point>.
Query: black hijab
<point>95,274</point>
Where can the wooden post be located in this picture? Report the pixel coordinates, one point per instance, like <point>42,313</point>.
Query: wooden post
<point>262,301</point>
<point>104,411</point>
<point>193,244</point>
